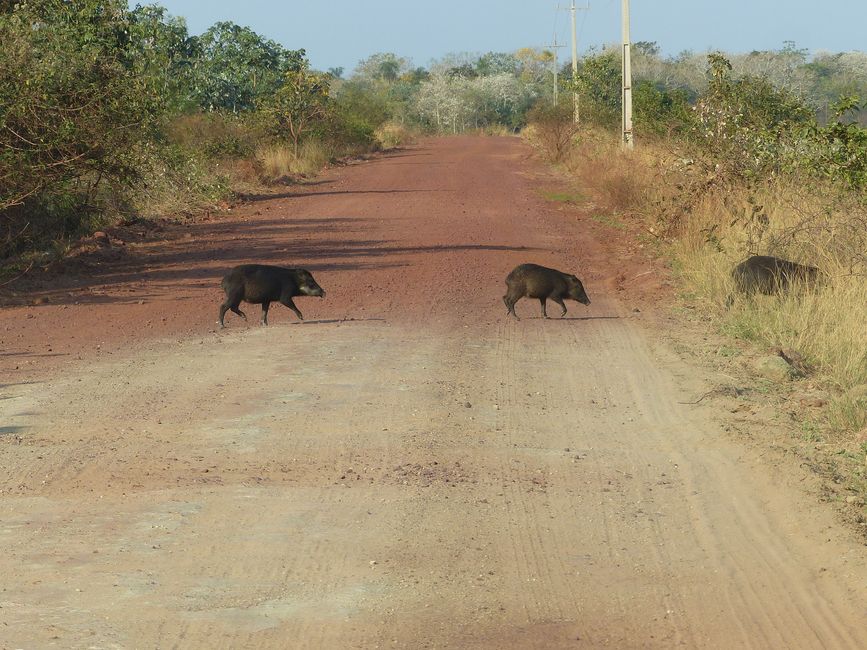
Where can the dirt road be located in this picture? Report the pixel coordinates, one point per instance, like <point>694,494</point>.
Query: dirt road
<point>408,468</point>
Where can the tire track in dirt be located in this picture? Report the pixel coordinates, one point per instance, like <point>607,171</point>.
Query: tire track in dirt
<point>429,475</point>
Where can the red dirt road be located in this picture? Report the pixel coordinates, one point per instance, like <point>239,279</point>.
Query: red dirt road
<point>408,468</point>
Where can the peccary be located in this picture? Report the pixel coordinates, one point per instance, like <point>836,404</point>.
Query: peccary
<point>262,284</point>
<point>534,281</point>
<point>770,275</point>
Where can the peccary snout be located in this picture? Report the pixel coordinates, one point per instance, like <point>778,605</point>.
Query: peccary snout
<point>534,281</point>
<point>263,284</point>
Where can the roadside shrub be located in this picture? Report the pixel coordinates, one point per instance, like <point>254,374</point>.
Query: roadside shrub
<point>180,181</point>
<point>216,135</point>
<point>599,82</point>
<point>347,134</point>
<point>554,129</point>
<point>391,135</point>
<point>74,113</point>
<point>660,111</point>
<point>279,161</point>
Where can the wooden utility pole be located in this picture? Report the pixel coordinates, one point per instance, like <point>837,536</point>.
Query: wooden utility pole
<point>628,141</point>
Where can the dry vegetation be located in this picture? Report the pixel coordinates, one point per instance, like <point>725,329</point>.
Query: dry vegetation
<point>705,226</point>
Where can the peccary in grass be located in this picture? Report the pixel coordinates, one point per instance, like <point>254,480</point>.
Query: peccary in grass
<point>770,275</point>
<point>262,284</point>
<point>534,281</point>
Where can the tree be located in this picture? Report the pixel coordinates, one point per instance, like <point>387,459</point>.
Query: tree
<point>383,66</point>
<point>300,102</point>
<point>534,65</point>
<point>236,67</point>
<point>163,53</point>
<point>600,87</point>
<point>659,110</point>
<point>494,63</point>
<point>74,106</point>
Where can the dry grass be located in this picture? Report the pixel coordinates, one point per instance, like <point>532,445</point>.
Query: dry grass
<point>278,162</point>
<point>496,130</point>
<point>827,324</point>
<point>393,134</point>
<point>618,181</point>
<point>708,228</point>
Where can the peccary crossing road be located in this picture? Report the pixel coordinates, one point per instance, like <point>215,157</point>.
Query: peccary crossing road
<point>263,284</point>
<point>534,281</point>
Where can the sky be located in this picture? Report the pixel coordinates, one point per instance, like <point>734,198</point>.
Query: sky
<point>340,33</point>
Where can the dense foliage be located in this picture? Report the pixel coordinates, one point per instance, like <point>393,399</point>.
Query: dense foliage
<point>108,112</point>
<point>79,105</point>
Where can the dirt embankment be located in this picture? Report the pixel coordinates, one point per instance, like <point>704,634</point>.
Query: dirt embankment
<point>407,468</point>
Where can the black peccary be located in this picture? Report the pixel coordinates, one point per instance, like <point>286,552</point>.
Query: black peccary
<point>770,275</point>
<point>262,284</point>
<point>534,281</point>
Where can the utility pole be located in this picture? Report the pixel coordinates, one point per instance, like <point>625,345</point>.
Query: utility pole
<point>555,47</point>
<point>628,141</point>
<point>576,113</point>
<point>576,102</point>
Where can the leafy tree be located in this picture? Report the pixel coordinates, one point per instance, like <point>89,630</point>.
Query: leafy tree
<point>465,71</point>
<point>746,123</point>
<point>534,65</point>
<point>74,108</point>
<point>383,66</point>
<point>844,155</point>
<point>163,53</point>
<point>442,103</point>
<point>660,111</point>
<point>599,82</point>
<point>236,67</point>
<point>494,63</point>
<point>301,102</point>
<point>361,99</point>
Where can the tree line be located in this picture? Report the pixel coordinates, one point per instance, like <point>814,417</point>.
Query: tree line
<point>110,113</point>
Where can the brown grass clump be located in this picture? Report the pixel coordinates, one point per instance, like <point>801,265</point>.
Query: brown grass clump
<point>278,162</point>
<point>394,134</point>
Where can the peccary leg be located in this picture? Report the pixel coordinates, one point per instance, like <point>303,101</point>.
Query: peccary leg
<point>233,305</point>
<point>543,301</point>
<point>265,306</point>
<point>560,302</point>
<point>291,305</point>
<point>510,306</point>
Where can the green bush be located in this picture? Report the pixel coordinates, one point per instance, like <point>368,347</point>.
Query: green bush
<point>660,111</point>
<point>73,112</point>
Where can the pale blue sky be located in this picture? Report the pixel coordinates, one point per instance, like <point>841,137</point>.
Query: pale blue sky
<point>341,32</point>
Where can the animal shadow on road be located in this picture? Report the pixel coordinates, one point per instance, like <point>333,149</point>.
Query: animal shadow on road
<point>330,321</point>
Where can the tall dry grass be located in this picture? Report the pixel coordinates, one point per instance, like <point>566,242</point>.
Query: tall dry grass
<point>707,226</point>
<point>278,161</point>
<point>394,134</point>
<point>826,324</point>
